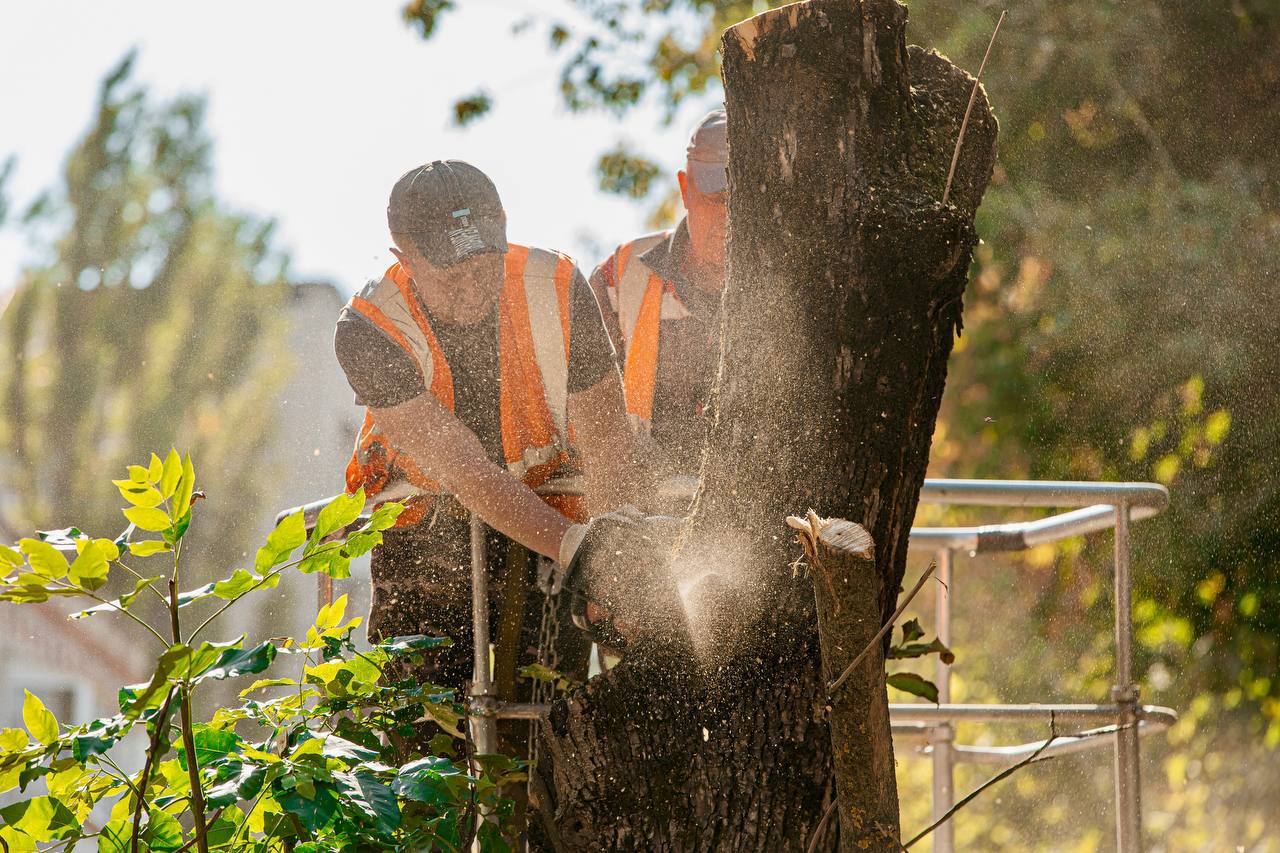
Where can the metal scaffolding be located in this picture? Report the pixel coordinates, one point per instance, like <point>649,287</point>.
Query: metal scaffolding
<point>1093,507</point>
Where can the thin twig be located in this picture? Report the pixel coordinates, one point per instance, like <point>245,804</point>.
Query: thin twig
<point>884,629</point>
<point>217,814</point>
<point>1032,758</point>
<point>114,606</point>
<point>822,824</point>
<point>157,735</point>
<point>268,576</point>
<point>973,96</point>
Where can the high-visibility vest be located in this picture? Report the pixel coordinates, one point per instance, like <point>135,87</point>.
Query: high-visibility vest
<point>533,368</point>
<point>641,299</point>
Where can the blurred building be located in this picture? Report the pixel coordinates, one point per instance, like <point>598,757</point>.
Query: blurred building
<point>77,667</point>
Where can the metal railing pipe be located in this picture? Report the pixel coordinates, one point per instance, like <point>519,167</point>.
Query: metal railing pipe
<point>1125,695</point>
<point>941,737</point>
<point>483,724</point>
<point>1042,493</point>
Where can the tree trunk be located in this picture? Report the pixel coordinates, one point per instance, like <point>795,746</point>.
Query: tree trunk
<point>846,586</point>
<point>846,273</point>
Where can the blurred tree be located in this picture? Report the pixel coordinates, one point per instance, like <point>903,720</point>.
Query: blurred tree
<point>155,308</point>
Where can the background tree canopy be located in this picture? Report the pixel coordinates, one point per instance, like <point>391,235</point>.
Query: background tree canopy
<point>154,322</point>
<point>1122,324</point>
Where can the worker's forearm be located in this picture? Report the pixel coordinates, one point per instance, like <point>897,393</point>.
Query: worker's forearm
<point>510,507</point>
<point>604,440</point>
<point>450,454</point>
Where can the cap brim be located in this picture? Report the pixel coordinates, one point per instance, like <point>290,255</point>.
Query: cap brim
<point>447,250</point>
<point>709,178</point>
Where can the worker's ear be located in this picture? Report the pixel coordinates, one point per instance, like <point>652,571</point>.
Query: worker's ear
<point>400,256</point>
<point>683,178</point>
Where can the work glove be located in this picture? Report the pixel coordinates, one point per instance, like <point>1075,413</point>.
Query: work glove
<point>615,569</point>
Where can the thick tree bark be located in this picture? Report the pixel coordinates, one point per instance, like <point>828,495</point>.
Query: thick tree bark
<point>846,273</point>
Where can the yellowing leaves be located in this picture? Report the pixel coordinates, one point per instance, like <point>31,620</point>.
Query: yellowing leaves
<point>46,560</point>
<point>38,719</point>
<point>329,623</point>
<point>148,518</point>
<point>171,474</point>
<point>90,568</point>
<point>148,547</point>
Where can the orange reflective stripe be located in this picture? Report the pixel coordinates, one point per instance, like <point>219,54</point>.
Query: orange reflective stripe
<point>526,421</point>
<point>640,375</point>
<point>621,257</point>
<point>374,314</point>
<point>527,426</point>
<point>441,375</point>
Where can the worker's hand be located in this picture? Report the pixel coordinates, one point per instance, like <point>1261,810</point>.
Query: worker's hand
<point>617,572</point>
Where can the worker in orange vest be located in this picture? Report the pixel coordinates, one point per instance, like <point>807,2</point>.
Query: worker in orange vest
<point>664,289</point>
<point>486,372</point>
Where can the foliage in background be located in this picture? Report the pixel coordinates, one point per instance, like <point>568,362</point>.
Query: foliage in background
<point>328,760</point>
<point>153,300</point>
<point>1122,324</point>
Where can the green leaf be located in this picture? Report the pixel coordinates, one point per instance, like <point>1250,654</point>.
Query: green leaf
<point>115,836</point>
<point>139,494</point>
<point>240,582</point>
<point>179,528</point>
<point>46,560</point>
<point>13,740</point>
<point>268,682</point>
<point>99,736</point>
<point>171,473</point>
<point>316,811</point>
<point>139,474</point>
<point>211,745</point>
<point>413,642</point>
<point>9,557</point>
<point>915,650</point>
<point>163,831</point>
<point>39,720</point>
<point>384,517</point>
<point>122,602</point>
<point>281,542</point>
<point>359,544</point>
<point>148,518</point>
<point>425,780</point>
<point>331,614</point>
<point>90,568</point>
<point>329,560</point>
<point>148,547</point>
<point>42,818</point>
<point>243,785</point>
<point>370,798</point>
<point>186,485</point>
<point>911,631</point>
<point>338,513</point>
<point>336,747</point>
<point>155,469</point>
<point>909,682</point>
<point>235,662</point>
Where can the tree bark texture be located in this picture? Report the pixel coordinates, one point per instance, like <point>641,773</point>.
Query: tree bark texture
<point>846,274</point>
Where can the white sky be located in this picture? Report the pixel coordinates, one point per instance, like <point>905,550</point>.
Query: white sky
<point>316,107</point>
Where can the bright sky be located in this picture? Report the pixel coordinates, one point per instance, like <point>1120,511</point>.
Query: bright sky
<point>317,107</point>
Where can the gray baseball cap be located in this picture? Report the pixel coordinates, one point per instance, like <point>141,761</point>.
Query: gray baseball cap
<point>450,210</point>
<point>708,153</point>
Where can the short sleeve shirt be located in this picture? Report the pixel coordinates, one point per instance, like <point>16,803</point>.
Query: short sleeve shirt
<point>383,375</point>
